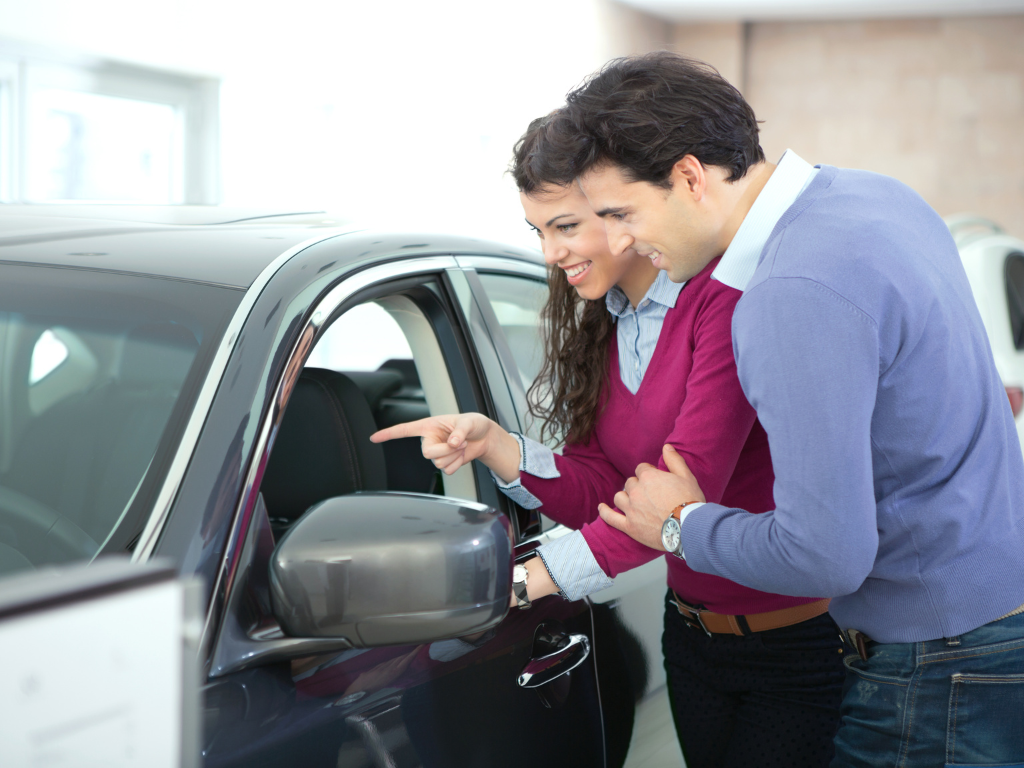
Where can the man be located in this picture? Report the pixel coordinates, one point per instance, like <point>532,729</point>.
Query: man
<point>899,485</point>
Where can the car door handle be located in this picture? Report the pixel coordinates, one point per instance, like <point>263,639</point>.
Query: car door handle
<point>543,669</point>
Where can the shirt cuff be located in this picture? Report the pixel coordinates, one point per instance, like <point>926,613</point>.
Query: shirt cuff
<point>536,459</point>
<point>682,516</point>
<point>517,493</point>
<point>572,567</point>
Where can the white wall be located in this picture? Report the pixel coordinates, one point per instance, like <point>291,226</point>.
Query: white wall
<point>395,113</point>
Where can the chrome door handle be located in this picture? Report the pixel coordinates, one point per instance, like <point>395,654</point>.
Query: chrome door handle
<point>544,669</point>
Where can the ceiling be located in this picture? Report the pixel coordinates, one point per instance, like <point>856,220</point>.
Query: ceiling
<point>756,10</point>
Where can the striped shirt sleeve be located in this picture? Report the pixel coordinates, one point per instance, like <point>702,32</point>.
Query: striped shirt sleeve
<point>536,459</point>
<point>572,567</point>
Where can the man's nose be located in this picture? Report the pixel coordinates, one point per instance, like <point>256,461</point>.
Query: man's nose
<point>553,253</point>
<point>618,238</point>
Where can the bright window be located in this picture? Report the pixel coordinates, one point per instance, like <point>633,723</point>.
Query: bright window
<point>87,146</point>
<point>81,129</point>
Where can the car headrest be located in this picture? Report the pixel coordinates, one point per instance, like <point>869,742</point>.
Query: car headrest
<point>323,448</point>
<point>158,354</point>
<point>376,385</point>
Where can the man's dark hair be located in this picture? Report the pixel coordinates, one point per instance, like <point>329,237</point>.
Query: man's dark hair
<point>645,113</point>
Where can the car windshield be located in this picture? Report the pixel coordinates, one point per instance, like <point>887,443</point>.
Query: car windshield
<point>98,374</point>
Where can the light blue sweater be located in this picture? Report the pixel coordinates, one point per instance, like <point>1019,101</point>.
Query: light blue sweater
<point>899,478</point>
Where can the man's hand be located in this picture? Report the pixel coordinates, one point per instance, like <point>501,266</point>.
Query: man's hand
<point>649,498</point>
<point>453,440</point>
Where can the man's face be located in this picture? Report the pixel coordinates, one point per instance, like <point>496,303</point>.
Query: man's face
<point>669,226</point>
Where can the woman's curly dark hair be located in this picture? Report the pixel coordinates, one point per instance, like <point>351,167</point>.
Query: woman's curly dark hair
<point>567,395</point>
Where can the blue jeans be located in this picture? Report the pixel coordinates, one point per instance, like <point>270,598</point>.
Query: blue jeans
<point>958,701</point>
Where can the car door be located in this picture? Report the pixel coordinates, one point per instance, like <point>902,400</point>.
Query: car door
<point>398,338</point>
<point>628,616</point>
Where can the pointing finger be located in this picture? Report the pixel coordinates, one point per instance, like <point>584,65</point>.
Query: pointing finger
<point>408,429</point>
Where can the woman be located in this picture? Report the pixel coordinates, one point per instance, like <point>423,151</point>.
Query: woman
<point>632,362</point>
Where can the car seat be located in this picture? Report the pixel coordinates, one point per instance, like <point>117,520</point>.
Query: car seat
<point>322,449</point>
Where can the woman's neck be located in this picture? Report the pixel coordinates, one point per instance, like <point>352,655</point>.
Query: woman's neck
<point>638,280</point>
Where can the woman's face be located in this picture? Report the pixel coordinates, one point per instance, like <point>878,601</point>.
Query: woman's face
<point>573,238</point>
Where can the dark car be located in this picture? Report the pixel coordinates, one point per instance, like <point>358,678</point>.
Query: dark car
<point>200,386</point>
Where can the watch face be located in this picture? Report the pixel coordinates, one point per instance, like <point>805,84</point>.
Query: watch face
<point>670,535</point>
<point>519,573</point>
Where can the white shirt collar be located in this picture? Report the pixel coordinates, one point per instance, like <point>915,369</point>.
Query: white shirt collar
<point>787,183</point>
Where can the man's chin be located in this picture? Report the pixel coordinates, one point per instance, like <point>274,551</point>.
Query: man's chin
<point>676,274</point>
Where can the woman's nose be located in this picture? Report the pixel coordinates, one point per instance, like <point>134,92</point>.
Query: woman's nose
<point>553,253</point>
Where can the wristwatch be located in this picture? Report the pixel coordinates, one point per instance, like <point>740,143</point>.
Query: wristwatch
<point>670,529</point>
<point>519,577</point>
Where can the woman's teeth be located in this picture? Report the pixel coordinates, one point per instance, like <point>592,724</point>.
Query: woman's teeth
<point>577,269</point>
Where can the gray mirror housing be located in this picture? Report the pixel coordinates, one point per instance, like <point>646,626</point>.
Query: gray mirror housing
<point>392,568</point>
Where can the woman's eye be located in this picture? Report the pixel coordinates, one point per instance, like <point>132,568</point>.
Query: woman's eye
<point>566,228</point>
<point>619,216</point>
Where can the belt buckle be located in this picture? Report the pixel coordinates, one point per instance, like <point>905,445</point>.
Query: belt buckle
<point>696,621</point>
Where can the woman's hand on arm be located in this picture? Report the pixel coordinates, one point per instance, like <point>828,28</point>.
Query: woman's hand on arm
<point>456,439</point>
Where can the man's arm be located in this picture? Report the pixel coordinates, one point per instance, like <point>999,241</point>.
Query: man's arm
<point>808,362</point>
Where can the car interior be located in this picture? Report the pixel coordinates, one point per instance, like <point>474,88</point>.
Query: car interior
<point>377,365</point>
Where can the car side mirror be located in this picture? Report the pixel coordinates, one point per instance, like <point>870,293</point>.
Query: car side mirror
<point>392,568</point>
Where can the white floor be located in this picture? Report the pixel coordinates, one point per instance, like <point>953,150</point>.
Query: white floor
<point>654,743</point>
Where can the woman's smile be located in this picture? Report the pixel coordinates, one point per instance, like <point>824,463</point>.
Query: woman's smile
<point>577,271</point>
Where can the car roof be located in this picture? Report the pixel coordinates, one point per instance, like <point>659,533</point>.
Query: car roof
<point>209,244</point>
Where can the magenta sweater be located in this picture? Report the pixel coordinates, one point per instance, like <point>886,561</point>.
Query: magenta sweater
<point>690,397</point>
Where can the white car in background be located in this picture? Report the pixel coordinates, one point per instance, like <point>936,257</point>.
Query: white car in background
<point>994,262</point>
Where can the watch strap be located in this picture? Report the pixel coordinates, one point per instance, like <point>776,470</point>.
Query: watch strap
<point>522,596</point>
<point>679,510</point>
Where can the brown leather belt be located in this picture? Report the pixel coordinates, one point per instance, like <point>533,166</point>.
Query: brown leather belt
<point>721,624</point>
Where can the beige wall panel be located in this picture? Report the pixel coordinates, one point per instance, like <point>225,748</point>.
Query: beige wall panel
<point>937,103</point>
<point>720,45</point>
<point>627,31</point>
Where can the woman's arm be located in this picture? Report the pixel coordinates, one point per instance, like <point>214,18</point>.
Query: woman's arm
<point>713,425</point>
<point>584,476</point>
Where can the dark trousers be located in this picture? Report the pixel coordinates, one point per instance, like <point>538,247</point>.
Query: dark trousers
<point>767,699</point>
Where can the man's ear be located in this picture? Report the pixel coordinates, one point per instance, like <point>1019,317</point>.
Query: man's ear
<point>688,177</point>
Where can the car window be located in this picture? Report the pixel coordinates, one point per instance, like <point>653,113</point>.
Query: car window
<point>517,303</point>
<point>97,375</point>
<point>1014,270</point>
<point>376,365</point>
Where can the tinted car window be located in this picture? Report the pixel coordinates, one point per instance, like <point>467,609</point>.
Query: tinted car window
<point>97,376</point>
<point>517,302</point>
<point>1015,296</point>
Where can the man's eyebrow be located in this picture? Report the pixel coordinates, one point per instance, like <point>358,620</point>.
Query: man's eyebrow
<point>609,211</point>
<point>559,216</point>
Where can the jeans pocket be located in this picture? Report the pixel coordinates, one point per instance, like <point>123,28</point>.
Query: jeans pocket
<point>871,717</point>
<point>985,726</point>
